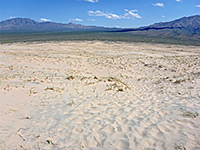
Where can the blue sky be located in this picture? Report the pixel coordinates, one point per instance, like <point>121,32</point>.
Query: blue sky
<point>111,13</point>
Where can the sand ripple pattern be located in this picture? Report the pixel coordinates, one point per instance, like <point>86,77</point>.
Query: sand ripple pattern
<point>99,95</point>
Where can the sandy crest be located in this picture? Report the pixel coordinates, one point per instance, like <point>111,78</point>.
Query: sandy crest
<point>99,95</point>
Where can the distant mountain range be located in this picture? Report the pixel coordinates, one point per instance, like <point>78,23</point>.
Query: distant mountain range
<point>183,28</point>
<point>29,25</point>
<point>186,27</point>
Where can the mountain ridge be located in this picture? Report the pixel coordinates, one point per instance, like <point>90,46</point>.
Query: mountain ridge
<point>191,23</point>
<point>184,22</point>
<point>32,25</point>
<point>183,28</point>
<point>187,28</point>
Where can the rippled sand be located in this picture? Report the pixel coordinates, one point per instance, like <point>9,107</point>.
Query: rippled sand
<point>100,96</point>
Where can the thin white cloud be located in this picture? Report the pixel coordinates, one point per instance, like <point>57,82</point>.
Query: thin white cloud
<point>129,14</point>
<point>92,19</point>
<point>163,16</point>
<point>107,15</point>
<point>178,0</point>
<point>158,4</point>
<point>132,13</point>
<point>198,6</point>
<point>92,1</point>
<point>11,17</point>
<point>77,19</point>
<point>44,19</point>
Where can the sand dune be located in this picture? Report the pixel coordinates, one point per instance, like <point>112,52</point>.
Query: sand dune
<point>99,95</point>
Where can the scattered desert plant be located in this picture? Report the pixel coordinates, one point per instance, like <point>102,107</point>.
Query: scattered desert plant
<point>116,84</point>
<point>178,81</point>
<point>70,77</point>
<point>196,73</point>
<point>71,103</point>
<point>27,117</point>
<point>179,147</point>
<point>189,113</point>
<point>50,142</point>
<point>55,89</point>
<point>49,88</point>
<point>32,91</point>
<point>158,82</point>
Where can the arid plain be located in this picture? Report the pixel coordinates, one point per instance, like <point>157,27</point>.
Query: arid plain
<point>99,95</point>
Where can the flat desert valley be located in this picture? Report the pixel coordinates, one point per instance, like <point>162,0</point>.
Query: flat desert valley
<point>96,95</point>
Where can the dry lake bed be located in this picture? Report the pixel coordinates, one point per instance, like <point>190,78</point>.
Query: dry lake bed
<point>95,95</point>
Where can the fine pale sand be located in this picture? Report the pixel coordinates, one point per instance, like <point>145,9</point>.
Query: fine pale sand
<point>100,96</point>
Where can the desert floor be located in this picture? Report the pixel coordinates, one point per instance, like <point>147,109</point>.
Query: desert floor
<point>99,95</point>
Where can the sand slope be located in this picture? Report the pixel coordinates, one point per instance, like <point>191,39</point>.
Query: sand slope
<point>99,95</point>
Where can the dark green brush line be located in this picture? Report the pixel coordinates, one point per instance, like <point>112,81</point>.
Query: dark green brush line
<point>90,36</point>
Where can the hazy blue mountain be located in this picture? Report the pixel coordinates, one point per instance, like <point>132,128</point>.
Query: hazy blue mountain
<point>191,23</point>
<point>26,24</point>
<point>186,27</point>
